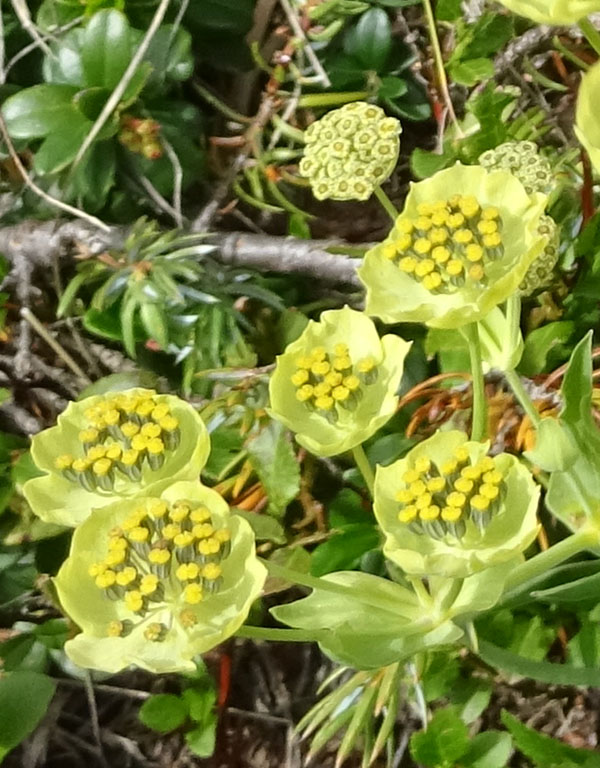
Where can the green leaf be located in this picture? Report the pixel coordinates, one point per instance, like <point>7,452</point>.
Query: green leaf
<point>106,49</point>
<point>545,672</point>
<point>343,551</point>
<point>488,750</point>
<point>392,88</point>
<point>201,741</point>
<point>163,712</point>
<point>584,647</point>
<point>545,750</point>
<point>424,164</point>
<point>95,175</point>
<point>274,462</point>
<point>545,347</point>
<point>448,10</point>
<point>118,382</point>
<point>40,111</point>
<point>231,15</point>
<point>471,697</point>
<point>155,322</point>
<point>587,588</point>
<point>58,150</point>
<point>444,742</point>
<point>347,509</point>
<point>265,527</point>
<point>472,71</point>
<point>370,40</point>
<point>24,699</point>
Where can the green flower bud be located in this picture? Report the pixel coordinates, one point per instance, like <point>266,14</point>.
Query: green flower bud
<point>350,151</point>
<point>521,158</point>
<point>111,446</point>
<point>149,606</point>
<point>336,384</point>
<point>540,273</point>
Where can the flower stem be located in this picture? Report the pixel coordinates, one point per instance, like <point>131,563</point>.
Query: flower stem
<point>591,33</point>
<point>584,539</point>
<point>362,462</point>
<point>278,635</point>
<point>421,591</point>
<point>479,419</point>
<point>387,204</point>
<point>515,383</point>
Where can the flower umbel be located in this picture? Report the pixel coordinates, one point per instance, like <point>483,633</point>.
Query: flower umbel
<point>448,508</point>
<point>110,446</point>
<point>449,260</point>
<point>350,151</point>
<point>177,572</point>
<point>336,384</point>
<point>553,11</point>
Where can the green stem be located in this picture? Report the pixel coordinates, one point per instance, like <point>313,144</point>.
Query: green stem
<point>220,106</point>
<point>330,99</point>
<point>520,393</point>
<point>479,418</point>
<point>420,590</point>
<point>362,462</point>
<point>277,635</point>
<point>584,539</point>
<point>454,591</point>
<point>591,33</point>
<point>387,204</point>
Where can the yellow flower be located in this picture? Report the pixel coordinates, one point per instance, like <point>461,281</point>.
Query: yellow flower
<point>553,11</point>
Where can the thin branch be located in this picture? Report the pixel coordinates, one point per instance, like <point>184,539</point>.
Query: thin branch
<point>177,181</point>
<point>22,12</point>
<point>117,94</point>
<point>307,48</point>
<point>35,44</point>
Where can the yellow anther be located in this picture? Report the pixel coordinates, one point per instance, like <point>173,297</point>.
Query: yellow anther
<point>333,379</point>
<point>340,394</point>
<point>151,430</point>
<point>169,424</point>
<point>223,535</point>
<point>203,530</point>
<point>432,281</point>
<point>408,264</point>
<point>112,417</point>
<point>454,267</point>
<point>436,484</point>
<point>134,600</point>
<point>80,465</point>
<point>114,629</point>
<point>480,503</point>
<point>487,464</point>
<point>64,461</point>
<point>461,453</point>
<point>422,502</point>
<point>469,207</point>
<point>160,411</point>
<point>209,546</point>
<point>158,509</point>
<point>305,361</point>
<point>417,488</point>
<point>200,515</point>
<point>155,446</point>
<point>304,393</point>
<point>340,350</point>
<point>389,251</point>
<point>102,467</point>
<point>106,579</point>
<point>322,389</point>
<point>449,467</point>
<point>179,511</point>
<point>456,220</point>
<point>211,571</point>
<point>404,496</point>
<point>117,542</point>
<point>159,556</point>
<point>184,539</point>
<point>116,557</point>
<point>342,363</point>
<point>403,243</point>
<point>171,530</point>
<point>470,473</point>
<point>154,631</point>
<point>490,214</point>
<point>492,241</point>
<point>318,354</point>
<point>113,452</point>
<point>474,252</point>
<point>96,569</point>
<point>88,435</point>
<point>463,485</point>
<point>422,246</point>
<point>440,218</point>
<point>352,383</point>
<point>324,403</point>
<point>438,236</point>
<point>489,491</point>
<point>127,576</point>
<point>463,236</point>
<point>187,571</point>
<point>404,226</point>
<point>145,408</point>
<point>321,368</point>
<point>423,464</point>
<point>492,478</point>
<point>192,594</point>
<point>456,499</point>
<point>300,377</point>
<point>130,457</point>
<point>429,514</point>
<point>149,584</point>
<point>408,514</point>
<point>423,223</point>
<point>187,618</point>
<point>487,227</point>
<point>454,201</point>
<point>411,476</point>
<point>476,272</point>
<point>440,254</point>
<point>132,521</point>
<point>424,267</point>
<point>451,514</point>
<point>366,365</point>
<point>130,429</point>
<point>96,452</point>
<point>425,209</point>
<point>129,404</point>
<point>139,443</point>
<point>139,534</point>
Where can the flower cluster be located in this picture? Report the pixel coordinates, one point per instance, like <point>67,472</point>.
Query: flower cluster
<point>114,445</point>
<point>553,11</point>
<point>336,384</point>
<point>176,571</point>
<point>140,136</point>
<point>449,260</point>
<point>350,151</point>
<point>447,508</point>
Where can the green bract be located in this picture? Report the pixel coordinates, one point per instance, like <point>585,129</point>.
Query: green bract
<point>336,384</point>
<point>587,125</point>
<point>553,11</point>
<point>350,151</point>
<point>111,446</point>
<point>450,259</point>
<point>155,581</point>
<point>448,509</point>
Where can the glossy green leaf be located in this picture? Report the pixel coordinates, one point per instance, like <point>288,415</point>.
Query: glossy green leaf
<point>275,464</point>
<point>371,39</point>
<point>163,712</point>
<point>545,347</point>
<point>106,49</point>
<point>344,550</point>
<point>59,149</point>
<point>24,699</point>
<point>40,111</point>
